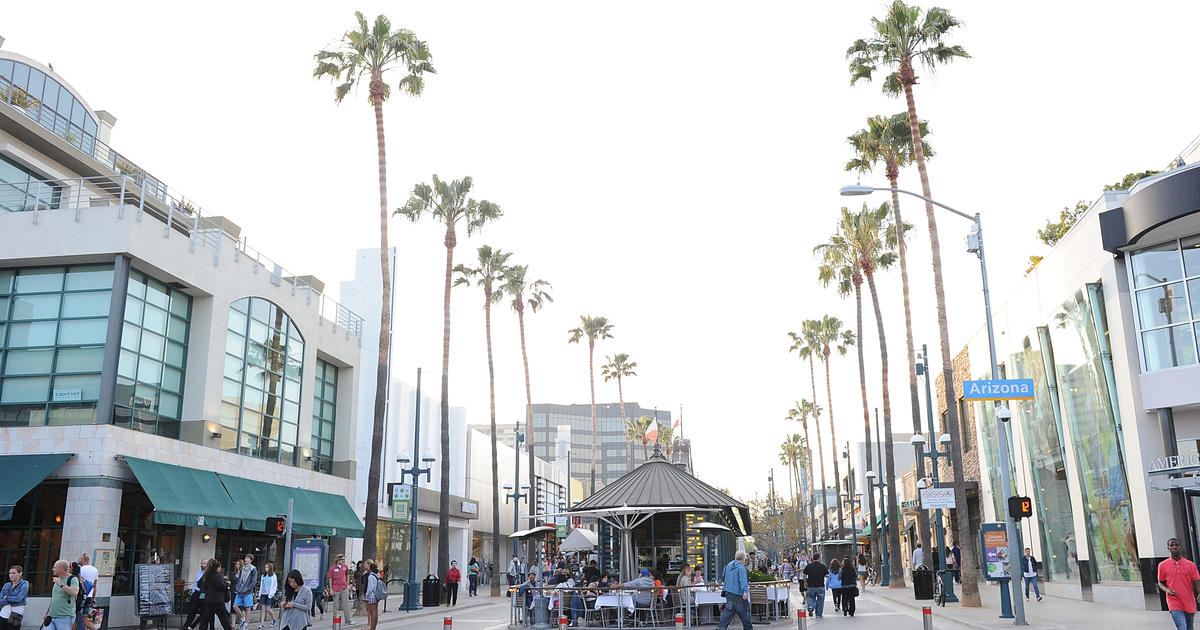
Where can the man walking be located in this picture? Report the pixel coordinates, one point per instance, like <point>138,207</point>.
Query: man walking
<point>1177,577</point>
<point>67,587</point>
<point>514,571</point>
<point>814,576</point>
<point>339,584</point>
<point>737,593</point>
<point>245,582</point>
<point>1029,567</point>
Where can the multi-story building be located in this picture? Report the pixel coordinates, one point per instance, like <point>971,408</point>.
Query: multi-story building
<point>616,453</point>
<point>163,387</point>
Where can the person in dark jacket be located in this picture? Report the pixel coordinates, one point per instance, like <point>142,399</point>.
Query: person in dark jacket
<point>1029,571</point>
<point>214,590</point>
<point>294,613</point>
<point>849,587</point>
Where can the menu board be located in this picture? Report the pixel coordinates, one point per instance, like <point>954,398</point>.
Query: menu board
<point>155,590</point>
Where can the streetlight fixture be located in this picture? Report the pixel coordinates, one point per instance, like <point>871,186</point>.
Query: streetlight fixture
<point>975,246</point>
<point>514,495</point>
<point>412,595</point>
<point>884,578</point>
<point>852,499</point>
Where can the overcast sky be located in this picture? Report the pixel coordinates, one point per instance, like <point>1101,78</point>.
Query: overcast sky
<point>669,165</point>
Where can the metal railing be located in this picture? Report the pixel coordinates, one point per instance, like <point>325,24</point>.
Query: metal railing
<point>180,218</point>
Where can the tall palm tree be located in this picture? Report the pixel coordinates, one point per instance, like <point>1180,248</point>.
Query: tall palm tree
<point>534,295</point>
<point>807,345</point>
<point>791,452</point>
<point>592,328</point>
<point>449,203</point>
<point>903,37</point>
<point>833,337</point>
<point>889,140</point>
<point>641,430</point>
<point>800,414</point>
<point>488,275</point>
<point>631,435</point>
<point>619,366</point>
<point>799,447</point>
<point>666,438</point>
<point>367,53</point>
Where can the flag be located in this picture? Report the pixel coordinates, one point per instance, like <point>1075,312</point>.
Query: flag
<point>652,435</point>
<point>676,425</point>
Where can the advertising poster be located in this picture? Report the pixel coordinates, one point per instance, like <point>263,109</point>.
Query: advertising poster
<point>308,557</point>
<point>993,542</point>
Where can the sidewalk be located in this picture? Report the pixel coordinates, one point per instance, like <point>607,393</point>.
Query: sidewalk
<point>395,614</point>
<point>1052,613</point>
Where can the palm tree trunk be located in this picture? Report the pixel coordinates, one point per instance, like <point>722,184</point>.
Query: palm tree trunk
<point>791,484</point>
<point>487,323</point>
<point>970,563</point>
<point>862,380</point>
<point>895,568</point>
<point>595,431</point>
<point>812,375</point>
<point>812,505</point>
<point>530,546</point>
<point>443,548</point>
<point>913,393</point>
<point>385,338</point>
<point>833,450</point>
<point>621,401</point>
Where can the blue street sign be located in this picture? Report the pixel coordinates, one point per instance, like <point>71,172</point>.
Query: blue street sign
<point>999,389</point>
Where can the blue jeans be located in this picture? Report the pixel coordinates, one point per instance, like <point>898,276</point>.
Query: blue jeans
<point>1183,620</point>
<point>1037,591</point>
<point>735,605</point>
<point>61,623</point>
<point>577,607</point>
<point>816,600</point>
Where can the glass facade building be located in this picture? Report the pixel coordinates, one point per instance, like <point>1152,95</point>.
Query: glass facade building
<point>150,372</point>
<point>616,453</point>
<point>1166,282</point>
<point>324,415</point>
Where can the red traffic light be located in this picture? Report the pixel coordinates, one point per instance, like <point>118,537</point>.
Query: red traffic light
<point>1020,507</point>
<point>276,525</point>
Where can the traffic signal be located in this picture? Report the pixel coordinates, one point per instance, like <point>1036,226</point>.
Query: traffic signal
<point>276,525</point>
<point>1020,507</point>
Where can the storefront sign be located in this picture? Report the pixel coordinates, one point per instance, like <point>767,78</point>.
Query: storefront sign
<point>909,504</point>
<point>67,395</point>
<point>469,507</point>
<point>1174,464</point>
<point>999,389</point>
<point>937,498</point>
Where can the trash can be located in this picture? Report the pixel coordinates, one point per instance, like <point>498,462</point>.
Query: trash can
<point>922,582</point>
<point>431,591</point>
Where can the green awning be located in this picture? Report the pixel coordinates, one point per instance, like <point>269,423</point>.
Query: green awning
<point>22,473</point>
<point>185,496</point>
<point>313,513</point>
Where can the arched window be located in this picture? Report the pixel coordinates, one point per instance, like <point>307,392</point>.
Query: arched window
<point>260,394</point>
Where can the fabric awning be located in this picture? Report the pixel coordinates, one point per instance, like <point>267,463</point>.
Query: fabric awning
<point>185,496</point>
<point>579,540</point>
<point>22,473</point>
<point>313,513</point>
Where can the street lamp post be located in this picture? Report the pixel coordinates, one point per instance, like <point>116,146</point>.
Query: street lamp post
<point>852,500</point>
<point>934,452</point>
<point>514,495</point>
<point>412,595</point>
<point>884,577</point>
<point>975,246</point>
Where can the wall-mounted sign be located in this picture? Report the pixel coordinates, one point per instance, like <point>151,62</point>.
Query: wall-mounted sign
<point>999,389</point>
<point>470,507</point>
<point>937,498</point>
<point>909,504</point>
<point>1174,464</point>
<point>67,395</point>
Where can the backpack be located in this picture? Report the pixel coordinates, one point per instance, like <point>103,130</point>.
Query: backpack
<point>377,590</point>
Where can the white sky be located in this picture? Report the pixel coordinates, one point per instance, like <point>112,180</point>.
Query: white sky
<point>669,165</point>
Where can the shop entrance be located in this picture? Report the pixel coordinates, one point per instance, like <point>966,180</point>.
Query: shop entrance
<point>234,545</point>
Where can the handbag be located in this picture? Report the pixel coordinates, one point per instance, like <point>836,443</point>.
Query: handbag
<point>14,619</point>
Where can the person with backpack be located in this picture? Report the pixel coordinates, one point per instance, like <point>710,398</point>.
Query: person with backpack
<point>376,592</point>
<point>84,601</point>
<point>63,597</point>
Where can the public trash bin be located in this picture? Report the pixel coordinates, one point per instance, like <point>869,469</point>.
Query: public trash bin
<point>431,591</point>
<point>922,582</point>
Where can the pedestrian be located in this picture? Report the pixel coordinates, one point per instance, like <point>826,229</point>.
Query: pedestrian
<point>195,603</point>
<point>372,587</point>
<point>214,590</point>
<point>951,561</point>
<point>918,557</point>
<point>801,562</point>
<point>297,602</point>
<point>1029,569</point>
<point>13,598</point>
<point>62,596</point>
<point>473,577</point>
<point>591,573</point>
<point>82,606</point>
<point>318,602</point>
<point>736,592</point>
<point>267,588</point>
<point>814,577</point>
<point>360,586</point>
<point>90,575</point>
<point>834,583</point>
<point>453,577</point>
<point>245,580</point>
<point>849,588</point>
<point>957,555</point>
<point>861,567</point>
<point>514,571</point>
<point>1177,577</point>
<point>339,585</point>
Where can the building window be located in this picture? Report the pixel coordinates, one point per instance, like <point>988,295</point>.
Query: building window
<point>47,102</point>
<point>966,427</point>
<point>324,416</point>
<point>260,394</point>
<point>1166,282</point>
<point>53,324</point>
<point>23,190</point>
<point>32,537</point>
<point>153,355</point>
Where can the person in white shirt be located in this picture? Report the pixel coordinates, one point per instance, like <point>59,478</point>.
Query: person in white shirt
<point>918,558</point>
<point>267,587</point>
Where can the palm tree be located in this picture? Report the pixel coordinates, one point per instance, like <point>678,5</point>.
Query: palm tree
<point>799,446</point>
<point>889,140</point>
<point>618,367</point>
<point>367,53</point>
<point>450,203</point>
<point>592,328</point>
<point>832,337</point>
<point>791,452</point>
<point>631,435</point>
<point>800,414</point>
<point>666,438</point>
<point>808,346</point>
<point>535,295</point>
<point>490,273</point>
<point>901,38</point>
<point>640,430</point>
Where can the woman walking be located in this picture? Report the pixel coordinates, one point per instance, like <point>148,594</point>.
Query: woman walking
<point>849,589</point>
<point>372,585</point>
<point>834,583</point>
<point>266,594</point>
<point>473,577</point>
<point>453,577</point>
<point>214,590</point>
<point>862,570</point>
<point>297,602</point>
<point>12,598</point>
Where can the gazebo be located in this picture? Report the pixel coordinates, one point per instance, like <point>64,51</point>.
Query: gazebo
<point>648,519</point>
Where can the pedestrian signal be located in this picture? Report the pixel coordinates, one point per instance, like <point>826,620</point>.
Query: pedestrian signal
<point>276,525</point>
<point>1020,507</point>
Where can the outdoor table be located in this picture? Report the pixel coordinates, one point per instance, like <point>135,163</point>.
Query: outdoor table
<point>623,600</point>
<point>706,602</point>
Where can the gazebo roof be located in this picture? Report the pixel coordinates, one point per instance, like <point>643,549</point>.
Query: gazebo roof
<point>659,484</point>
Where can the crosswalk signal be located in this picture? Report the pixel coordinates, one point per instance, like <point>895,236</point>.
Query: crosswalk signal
<point>276,525</point>
<point>1020,507</point>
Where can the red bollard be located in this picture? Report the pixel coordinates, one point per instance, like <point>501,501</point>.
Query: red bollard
<point>927,616</point>
<point>447,623</point>
<point>801,620</point>
<point>678,622</point>
<point>562,622</point>
<point>337,621</point>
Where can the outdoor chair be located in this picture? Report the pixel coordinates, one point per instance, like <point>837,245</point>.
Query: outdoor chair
<point>516,615</point>
<point>759,603</point>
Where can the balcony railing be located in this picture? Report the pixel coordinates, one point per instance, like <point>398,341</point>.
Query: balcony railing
<point>180,218</point>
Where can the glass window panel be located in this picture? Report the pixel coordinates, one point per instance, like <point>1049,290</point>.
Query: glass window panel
<point>32,334</point>
<point>293,368</point>
<point>233,368</point>
<point>36,306</point>
<point>259,332</point>
<point>145,398</point>
<point>6,275</point>
<point>270,427</point>
<point>87,384</point>
<point>294,334</point>
<point>292,390</point>
<point>131,336</point>
<point>81,359</point>
<point>241,305</point>
<point>1162,305</point>
<point>1169,347</point>
<point>149,372</point>
<point>229,417</point>
<point>50,94</point>
<point>262,310</point>
<point>6,68</point>
<point>327,430</point>
<point>28,389</point>
<point>133,310</point>
<point>296,350</point>
<point>168,405</point>
<point>77,114</point>
<point>37,81</point>
<point>175,352</point>
<point>3,313</point>
<point>137,285</point>
<point>28,362</point>
<point>287,454</point>
<point>90,277</point>
<point>157,293</point>
<point>287,433</point>
<point>1191,255</point>
<point>251,421</point>
<point>291,411</point>
<point>20,76</point>
<point>229,440</point>
<point>1193,292</point>
<point>73,413</point>
<point>83,331</point>
<point>172,379</point>
<point>89,126</point>
<point>237,321</point>
<point>231,391</point>
<point>177,329</point>
<point>91,304</point>
<point>127,366</point>
<point>235,344</point>
<point>179,303</point>
<point>39,280</point>
<point>152,345</point>
<point>252,399</point>
<point>1156,265</point>
<point>155,319</point>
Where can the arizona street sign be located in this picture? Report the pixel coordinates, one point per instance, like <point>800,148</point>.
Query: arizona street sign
<point>999,389</point>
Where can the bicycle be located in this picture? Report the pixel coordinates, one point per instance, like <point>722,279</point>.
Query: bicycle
<point>873,574</point>
<point>939,590</point>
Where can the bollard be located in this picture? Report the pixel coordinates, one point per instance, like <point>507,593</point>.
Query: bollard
<point>337,621</point>
<point>678,622</point>
<point>447,623</point>
<point>801,620</point>
<point>927,615</point>
<point>562,621</point>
